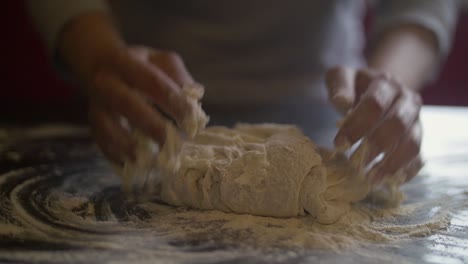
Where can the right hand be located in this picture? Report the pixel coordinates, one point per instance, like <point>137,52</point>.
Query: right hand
<point>124,82</point>
<point>128,86</point>
<point>382,111</point>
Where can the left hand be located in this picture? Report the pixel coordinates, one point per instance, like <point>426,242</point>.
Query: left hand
<point>381,111</point>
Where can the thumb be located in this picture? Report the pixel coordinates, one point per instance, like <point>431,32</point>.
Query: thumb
<point>340,86</point>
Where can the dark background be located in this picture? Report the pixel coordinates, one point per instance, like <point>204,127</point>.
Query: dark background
<point>30,89</point>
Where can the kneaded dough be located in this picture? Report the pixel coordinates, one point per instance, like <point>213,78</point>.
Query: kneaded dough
<point>264,169</point>
<point>259,169</point>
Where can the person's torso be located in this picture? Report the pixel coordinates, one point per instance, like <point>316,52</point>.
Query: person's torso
<point>250,51</point>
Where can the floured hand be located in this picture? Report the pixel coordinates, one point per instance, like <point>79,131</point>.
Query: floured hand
<point>130,86</point>
<point>381,112</point>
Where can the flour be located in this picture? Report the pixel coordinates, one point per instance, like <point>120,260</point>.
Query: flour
<point>359,227</point>
<point>81,207</point>
<point>285,191</point>
<point>73,211</point>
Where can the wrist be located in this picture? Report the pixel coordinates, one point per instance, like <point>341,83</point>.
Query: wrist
<point>86,42</point>
<point>408,52</point>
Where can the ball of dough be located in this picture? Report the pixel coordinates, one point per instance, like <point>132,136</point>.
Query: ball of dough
<point>264,169</point>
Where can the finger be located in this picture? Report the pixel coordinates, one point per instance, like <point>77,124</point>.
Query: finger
<point>112,139</point>
<point>340,86</point>
<point>121,99</point>
<point>111,152</point>
<point>358,157</point>
<point>406,151</point>
<point>361,156</point>
<point>173,65</point>
<point>395,125</point>
<point>155,84</point>
<point>373,105</point>
<point>413,168</point>
<point>410,170</point>
<point>363,80</point>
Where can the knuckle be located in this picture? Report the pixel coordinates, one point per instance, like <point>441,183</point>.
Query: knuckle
<point>376,107</point>
<point>171,56</point>
<point>364,78</point>
<point>385,76</point>
<point>137,49</point>
<point>417,99</point>
<point>378,100</point>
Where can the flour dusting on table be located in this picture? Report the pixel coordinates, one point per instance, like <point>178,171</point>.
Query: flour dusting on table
<point>69,208</point>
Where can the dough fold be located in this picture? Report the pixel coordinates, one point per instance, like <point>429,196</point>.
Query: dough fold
<point>262,169</point>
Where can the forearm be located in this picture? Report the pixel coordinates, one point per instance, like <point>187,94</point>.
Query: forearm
<point>408,52</point>
<point>85,41</point>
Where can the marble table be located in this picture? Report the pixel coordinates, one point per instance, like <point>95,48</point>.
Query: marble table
<point>43,165</point>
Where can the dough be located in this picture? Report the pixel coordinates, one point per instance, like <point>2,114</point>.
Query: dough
<point>259,169</point>
<point>265,169</point>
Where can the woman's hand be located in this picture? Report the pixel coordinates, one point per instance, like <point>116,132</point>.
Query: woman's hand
<point>135,84</point>
<point>129,86</point>
<point>382,112</point>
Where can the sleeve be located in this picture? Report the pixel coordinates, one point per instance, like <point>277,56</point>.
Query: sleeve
<point>50,16</point>
<point>439,16</point>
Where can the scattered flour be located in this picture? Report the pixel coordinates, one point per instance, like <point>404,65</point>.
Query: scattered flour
<point>79,206</point>
<point>360,226</point>
<point>88,212</point>
<point>283,190</point>
<point>84,210</point>
<point>268,185</point>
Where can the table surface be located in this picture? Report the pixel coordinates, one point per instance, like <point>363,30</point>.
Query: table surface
<point>39,164</point>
